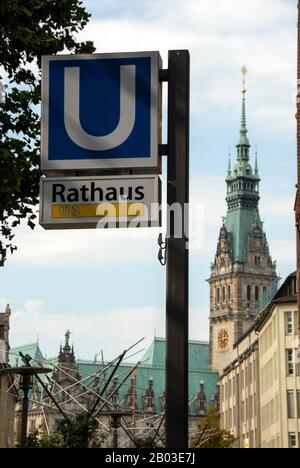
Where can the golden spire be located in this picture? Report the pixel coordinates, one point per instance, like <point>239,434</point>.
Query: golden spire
<point>244,73</point>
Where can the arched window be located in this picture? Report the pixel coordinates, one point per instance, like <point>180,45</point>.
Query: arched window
<point>223,294</point>
<point>228,293</point>
<point>218,294</point>
<point>256,293</point>
<point>265,293</point>
<point>248,293</point>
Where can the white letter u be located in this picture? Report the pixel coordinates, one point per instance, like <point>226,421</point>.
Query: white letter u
<point>72,111</point>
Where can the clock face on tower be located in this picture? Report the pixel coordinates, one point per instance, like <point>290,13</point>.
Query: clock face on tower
<point>223,339</point>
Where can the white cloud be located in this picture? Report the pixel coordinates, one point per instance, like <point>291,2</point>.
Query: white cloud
<point>69,248</point>
<point>31,308</point>
<point>61,249</point>
<point>280,206</point>
<point>109,330</point>
<point>285,254</point>
<point>221,35</point>
<point>199,324</point>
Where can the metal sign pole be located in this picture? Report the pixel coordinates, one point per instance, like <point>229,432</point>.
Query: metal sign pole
<point>177,250</point>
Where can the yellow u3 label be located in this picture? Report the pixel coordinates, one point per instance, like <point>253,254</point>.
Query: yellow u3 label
<point>96,210</point>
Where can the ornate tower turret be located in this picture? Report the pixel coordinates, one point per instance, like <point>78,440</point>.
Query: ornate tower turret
<point>67,372</point>
<point>149,398</point>
<point>201,400</point>
<point>243,270</point>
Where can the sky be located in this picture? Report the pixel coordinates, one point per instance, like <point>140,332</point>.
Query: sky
<point>108,287</point>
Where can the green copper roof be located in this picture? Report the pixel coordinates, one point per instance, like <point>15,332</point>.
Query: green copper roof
<point>152,367</point>
<point>198,354</point>
<point>33,350</point>
<point>239,224</point>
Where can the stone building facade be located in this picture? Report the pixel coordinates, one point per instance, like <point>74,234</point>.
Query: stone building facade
<point>240,393</point>
<point>260,389</point>
<point>138,402</point>
<point>279,363</point>
<point>8,392</point>
<point>243,271</point>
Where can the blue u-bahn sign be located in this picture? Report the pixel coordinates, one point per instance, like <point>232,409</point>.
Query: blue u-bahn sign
<point>101,112</point>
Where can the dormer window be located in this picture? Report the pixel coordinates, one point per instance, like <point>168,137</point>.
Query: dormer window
<point>248,293</point>
<point>256,293</point>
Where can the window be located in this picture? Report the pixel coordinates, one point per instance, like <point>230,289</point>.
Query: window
<point>223,294</point>
<point>57,424</point>
<point>274,326</point>
<point>1,332</point>
<point>292,288</point>
<point>242,412</point>
<point>292,440</point>
<point>230,418</point>
<point>218,295</point>
<point>234,416</point>
<point>222,418</point>
<point>229,388</point>
<point>257,262</point>
<point>247,409</point>
<point>289,323</point>
<point>278,443</point>
<point>290,362</point>
<point>246,376</point>
<point>229,293</point>
<point>275,367</point>
<point>291,404</point>
<point>234,385</point>
<point>249,293</point>
<point>32,425</point>
<point>298,404</point>
<point>242,380</point>
<point>251,439</point>
<point>256,293</point>
<point>295,321</point>
<point>222,392</point>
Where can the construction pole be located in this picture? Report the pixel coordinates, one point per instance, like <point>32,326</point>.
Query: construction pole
<point>297,204</point>
<point>177,250</point>
<point>26,383</point>
<point>133,416</point>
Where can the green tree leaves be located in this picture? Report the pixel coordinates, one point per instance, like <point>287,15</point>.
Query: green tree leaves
<point>28,30</point>
<point>81,432</point>
<point>211,434</point>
